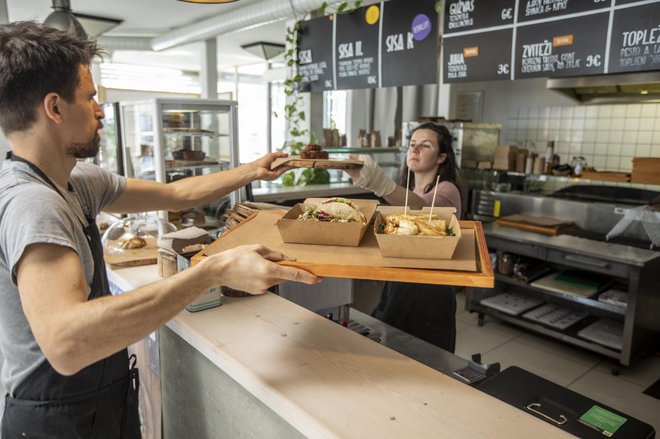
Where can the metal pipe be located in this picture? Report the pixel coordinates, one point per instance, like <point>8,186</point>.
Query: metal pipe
<point>247,17</point>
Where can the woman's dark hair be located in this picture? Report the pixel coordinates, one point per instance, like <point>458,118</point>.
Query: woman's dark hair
<point>448,170</point>
<point>36,60</point>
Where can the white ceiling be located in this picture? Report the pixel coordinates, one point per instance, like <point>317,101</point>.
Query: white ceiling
<point>149,18</point>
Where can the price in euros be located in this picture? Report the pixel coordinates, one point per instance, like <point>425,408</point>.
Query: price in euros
<point>593,61</point>
<point>503,69</point>
<point>507,14</point>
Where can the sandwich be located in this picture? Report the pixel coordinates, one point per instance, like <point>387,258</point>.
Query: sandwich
<point>415,225</point>
<point>335,209</point>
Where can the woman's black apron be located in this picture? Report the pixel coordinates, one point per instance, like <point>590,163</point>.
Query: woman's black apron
<point>100,401</point>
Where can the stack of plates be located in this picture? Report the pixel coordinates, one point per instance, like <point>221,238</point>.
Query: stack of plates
<point>511,303</point>
<point>606,332</point>
<point>556,316</point>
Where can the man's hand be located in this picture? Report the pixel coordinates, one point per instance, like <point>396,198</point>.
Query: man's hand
<point>262,166</point>
<point>252,268</point>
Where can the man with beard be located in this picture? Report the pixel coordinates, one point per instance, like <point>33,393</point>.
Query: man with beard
<point>64,337</point>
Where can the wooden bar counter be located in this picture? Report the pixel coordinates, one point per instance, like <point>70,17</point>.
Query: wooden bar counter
<point>262,366</point>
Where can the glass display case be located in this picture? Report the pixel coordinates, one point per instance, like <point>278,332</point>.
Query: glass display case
<point>110,156</point>
<point>170,139</point>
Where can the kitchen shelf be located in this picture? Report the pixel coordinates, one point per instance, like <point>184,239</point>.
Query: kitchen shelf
<point>390,149</point>
<point>569,335</point>
<point>635,271</point>
<point>608,310</point>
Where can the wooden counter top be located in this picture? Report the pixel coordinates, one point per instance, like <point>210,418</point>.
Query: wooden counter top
<point>328,381</point>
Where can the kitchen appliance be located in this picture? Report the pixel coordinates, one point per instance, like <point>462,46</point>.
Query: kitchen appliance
<point>609,89</point>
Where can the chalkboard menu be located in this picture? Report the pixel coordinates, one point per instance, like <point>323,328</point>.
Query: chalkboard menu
<point>462,15</point>
<point>635,44</point>
<point>315,54</point>
<point>386,44</point>
<point>356,51</point>
<point>543,9</point>
<point>549,38</point>
<point>478,57</point>
<point>571,47</point>
<point>409,42</point>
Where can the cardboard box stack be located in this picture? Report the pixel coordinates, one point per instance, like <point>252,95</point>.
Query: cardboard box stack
<point>645,170</point>
<point>505,158</point>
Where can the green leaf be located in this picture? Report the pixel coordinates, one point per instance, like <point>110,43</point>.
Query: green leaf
<point>301,115</point>
<point>322,8</point>
<point>341,7</point>
<point>288,179</point>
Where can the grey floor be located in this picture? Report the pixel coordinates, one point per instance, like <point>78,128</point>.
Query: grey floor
<point>577,369</point>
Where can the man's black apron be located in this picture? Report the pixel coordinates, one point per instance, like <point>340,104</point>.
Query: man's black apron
<point>100,401</point>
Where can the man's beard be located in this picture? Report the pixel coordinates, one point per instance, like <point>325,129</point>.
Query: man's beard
<point>85,150</point>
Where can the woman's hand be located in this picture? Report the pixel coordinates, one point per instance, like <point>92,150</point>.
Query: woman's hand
<point>372,177</point>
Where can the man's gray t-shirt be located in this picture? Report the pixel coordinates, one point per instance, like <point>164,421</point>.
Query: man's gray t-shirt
<point>32,212</point>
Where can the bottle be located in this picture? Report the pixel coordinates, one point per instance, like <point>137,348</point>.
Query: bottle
<point>529,163</point>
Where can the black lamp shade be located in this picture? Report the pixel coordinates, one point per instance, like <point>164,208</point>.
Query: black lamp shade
<point>264,50</point>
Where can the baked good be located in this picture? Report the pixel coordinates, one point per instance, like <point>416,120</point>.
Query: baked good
<point>313,151</point>
<point>132,243</point>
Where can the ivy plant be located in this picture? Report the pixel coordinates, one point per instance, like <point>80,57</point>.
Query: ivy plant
<point>294,113</point>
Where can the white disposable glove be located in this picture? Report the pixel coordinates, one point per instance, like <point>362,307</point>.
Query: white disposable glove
<point>373,178</point>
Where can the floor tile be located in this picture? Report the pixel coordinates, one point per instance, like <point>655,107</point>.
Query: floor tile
<point>619,394</point>
<point>555,367</point>
<point>472,339</point>
<point>643,372</point>
<point>561,349</point>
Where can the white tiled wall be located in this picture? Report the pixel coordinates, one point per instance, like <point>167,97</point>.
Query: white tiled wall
<point>607,136</point>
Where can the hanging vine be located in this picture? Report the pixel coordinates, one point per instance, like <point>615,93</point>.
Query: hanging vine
<point>294,114</point>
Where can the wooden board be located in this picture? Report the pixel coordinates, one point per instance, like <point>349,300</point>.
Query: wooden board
<point>606,176</point>
<point>297,162</point>
<point>470,265</point>
<point>131,257</point>
<point>537,224</point>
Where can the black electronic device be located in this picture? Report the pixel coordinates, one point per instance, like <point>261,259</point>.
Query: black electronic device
<point>567,410</point>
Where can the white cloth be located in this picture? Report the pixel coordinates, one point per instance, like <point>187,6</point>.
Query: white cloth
<point>373,178</point>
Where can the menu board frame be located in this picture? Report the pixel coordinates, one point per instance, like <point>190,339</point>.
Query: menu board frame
<point>592,53</point>
<point>420,44</point>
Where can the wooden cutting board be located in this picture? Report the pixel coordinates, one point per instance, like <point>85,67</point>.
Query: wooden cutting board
<point>130,257</point>
<point>297,162</point>
<point>538,224</point>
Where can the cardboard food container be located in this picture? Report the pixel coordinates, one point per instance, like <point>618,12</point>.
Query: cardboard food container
<point>350,234</point>
<point>418,247</point>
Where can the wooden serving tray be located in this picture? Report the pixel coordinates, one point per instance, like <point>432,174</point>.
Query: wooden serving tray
<point>297,162</point>
<point>470,265</point>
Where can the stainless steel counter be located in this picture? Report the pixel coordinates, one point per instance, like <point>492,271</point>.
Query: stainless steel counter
<point>602,250</point>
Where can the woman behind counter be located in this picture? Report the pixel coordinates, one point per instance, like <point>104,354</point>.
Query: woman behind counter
<point>425,311</point>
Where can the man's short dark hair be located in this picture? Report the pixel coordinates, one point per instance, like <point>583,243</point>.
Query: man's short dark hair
<point>36,60</point>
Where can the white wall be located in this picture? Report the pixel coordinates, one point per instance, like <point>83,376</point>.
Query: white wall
<point>608,136</point>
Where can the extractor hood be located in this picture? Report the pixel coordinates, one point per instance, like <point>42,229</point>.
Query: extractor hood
<point>608,89</point>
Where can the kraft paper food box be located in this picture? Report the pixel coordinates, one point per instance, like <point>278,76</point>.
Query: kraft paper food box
<point>422,247</point>
<point>348,234</point>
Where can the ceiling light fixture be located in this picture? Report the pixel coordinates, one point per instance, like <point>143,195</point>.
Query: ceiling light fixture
<point>208,1</point>
<point>264,50</point>
<point>62,18</point>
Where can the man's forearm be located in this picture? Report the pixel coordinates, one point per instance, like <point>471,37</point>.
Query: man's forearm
<point>101,327</point>
<point>190,192</point>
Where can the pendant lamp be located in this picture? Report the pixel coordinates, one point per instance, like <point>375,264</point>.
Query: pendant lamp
<point>62,18</point>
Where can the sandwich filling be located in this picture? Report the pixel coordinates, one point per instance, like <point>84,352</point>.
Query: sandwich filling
<point>335,209</point>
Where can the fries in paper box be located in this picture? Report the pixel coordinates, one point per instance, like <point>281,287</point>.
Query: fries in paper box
<point>332,221</point>
<point>415,235</point>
